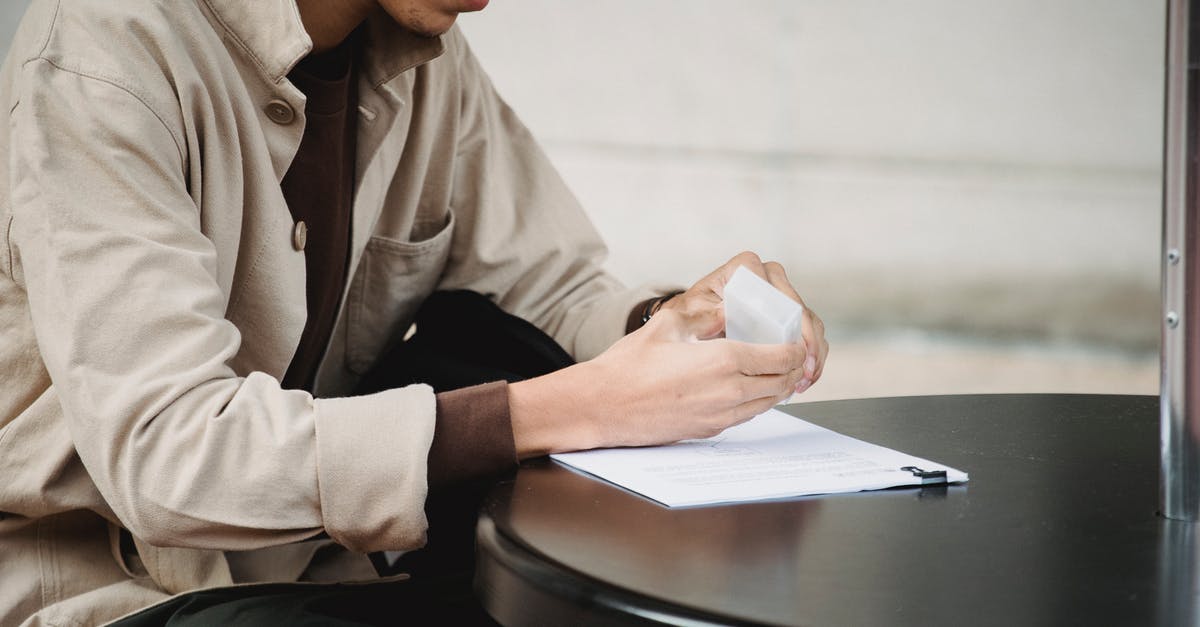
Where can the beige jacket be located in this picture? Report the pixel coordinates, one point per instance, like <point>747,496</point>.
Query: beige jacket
<point>152,294</point>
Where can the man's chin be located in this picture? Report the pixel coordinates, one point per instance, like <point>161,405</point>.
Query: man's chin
<point>431,18</point>
<point>427,33</point>
<point>426,26</point>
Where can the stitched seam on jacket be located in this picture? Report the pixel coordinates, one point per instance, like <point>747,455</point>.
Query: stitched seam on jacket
<point>42,48</point>
<point>49,30</point>
<point>234,300</point>
<point>4,433</point>
<point>128,89</point>
<point>47,562</point>
<point>8,271</point>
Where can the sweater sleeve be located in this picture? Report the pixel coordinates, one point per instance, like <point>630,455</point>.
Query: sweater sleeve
<point>473,436</point>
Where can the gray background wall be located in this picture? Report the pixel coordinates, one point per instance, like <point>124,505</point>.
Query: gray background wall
<point>967,191</point>
<point>10,13</point>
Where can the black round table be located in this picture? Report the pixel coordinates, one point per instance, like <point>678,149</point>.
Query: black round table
<point>1057,526</point>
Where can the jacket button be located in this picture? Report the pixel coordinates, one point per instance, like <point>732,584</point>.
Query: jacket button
<point>280,112</point>
<point>299,235</point>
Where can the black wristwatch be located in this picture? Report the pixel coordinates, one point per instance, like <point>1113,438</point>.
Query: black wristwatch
<point>653,305</point>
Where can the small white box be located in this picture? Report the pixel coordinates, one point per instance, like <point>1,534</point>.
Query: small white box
<point>756,312</point>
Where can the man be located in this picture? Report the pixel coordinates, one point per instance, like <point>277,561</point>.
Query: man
<point>217,216</point>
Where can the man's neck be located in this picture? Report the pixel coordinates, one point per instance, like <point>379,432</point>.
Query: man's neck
<point>329,22</point>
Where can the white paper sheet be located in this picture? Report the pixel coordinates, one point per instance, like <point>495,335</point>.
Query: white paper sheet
<point>774,455</point>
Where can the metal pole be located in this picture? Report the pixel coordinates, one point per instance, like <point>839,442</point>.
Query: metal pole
<point>1179,496</point>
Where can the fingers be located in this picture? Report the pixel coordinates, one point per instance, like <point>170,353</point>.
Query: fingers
<point>818,346</point>
<point>776,276</point>
<point>813,328</point>
<point>706,296</point>
<point>762,359</point>
<point>747,396</point>
<point>751,261</point>
<point>773,386</point>
<point>752,408</point>
<point>771,271</point>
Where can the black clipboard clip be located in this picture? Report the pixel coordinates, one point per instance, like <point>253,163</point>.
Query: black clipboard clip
<point>927,477</point>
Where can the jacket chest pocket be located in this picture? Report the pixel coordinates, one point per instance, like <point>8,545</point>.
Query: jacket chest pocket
<point>394,277</point>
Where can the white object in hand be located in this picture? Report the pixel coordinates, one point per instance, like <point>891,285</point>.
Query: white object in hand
<point>756,312</point>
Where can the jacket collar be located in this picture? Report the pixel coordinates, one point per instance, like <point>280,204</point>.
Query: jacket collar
<point>391,50</point>
<point>271,33</point>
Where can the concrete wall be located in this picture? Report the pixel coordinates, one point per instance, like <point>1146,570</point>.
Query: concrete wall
<point>988,169</point>
<point>10,14</point>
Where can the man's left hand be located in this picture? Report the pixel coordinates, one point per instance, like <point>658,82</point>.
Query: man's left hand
<point>702,305</point>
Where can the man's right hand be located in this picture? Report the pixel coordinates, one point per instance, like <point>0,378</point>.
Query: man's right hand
<point>657,385</point>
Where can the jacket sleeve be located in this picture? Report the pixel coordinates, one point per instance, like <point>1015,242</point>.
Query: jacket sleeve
<point>521,234</point>
<point>129,321</point>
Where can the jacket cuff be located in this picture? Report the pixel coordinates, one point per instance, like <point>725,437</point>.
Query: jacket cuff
<point>371,467</point>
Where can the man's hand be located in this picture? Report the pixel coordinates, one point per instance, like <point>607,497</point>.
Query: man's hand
<point>673,379</point>
<point>702,306</point>
<point>654,386</point>
<point>673,387</point>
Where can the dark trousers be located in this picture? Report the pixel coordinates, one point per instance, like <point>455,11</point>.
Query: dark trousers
<point>415,602</point>
<point>462,339</point>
